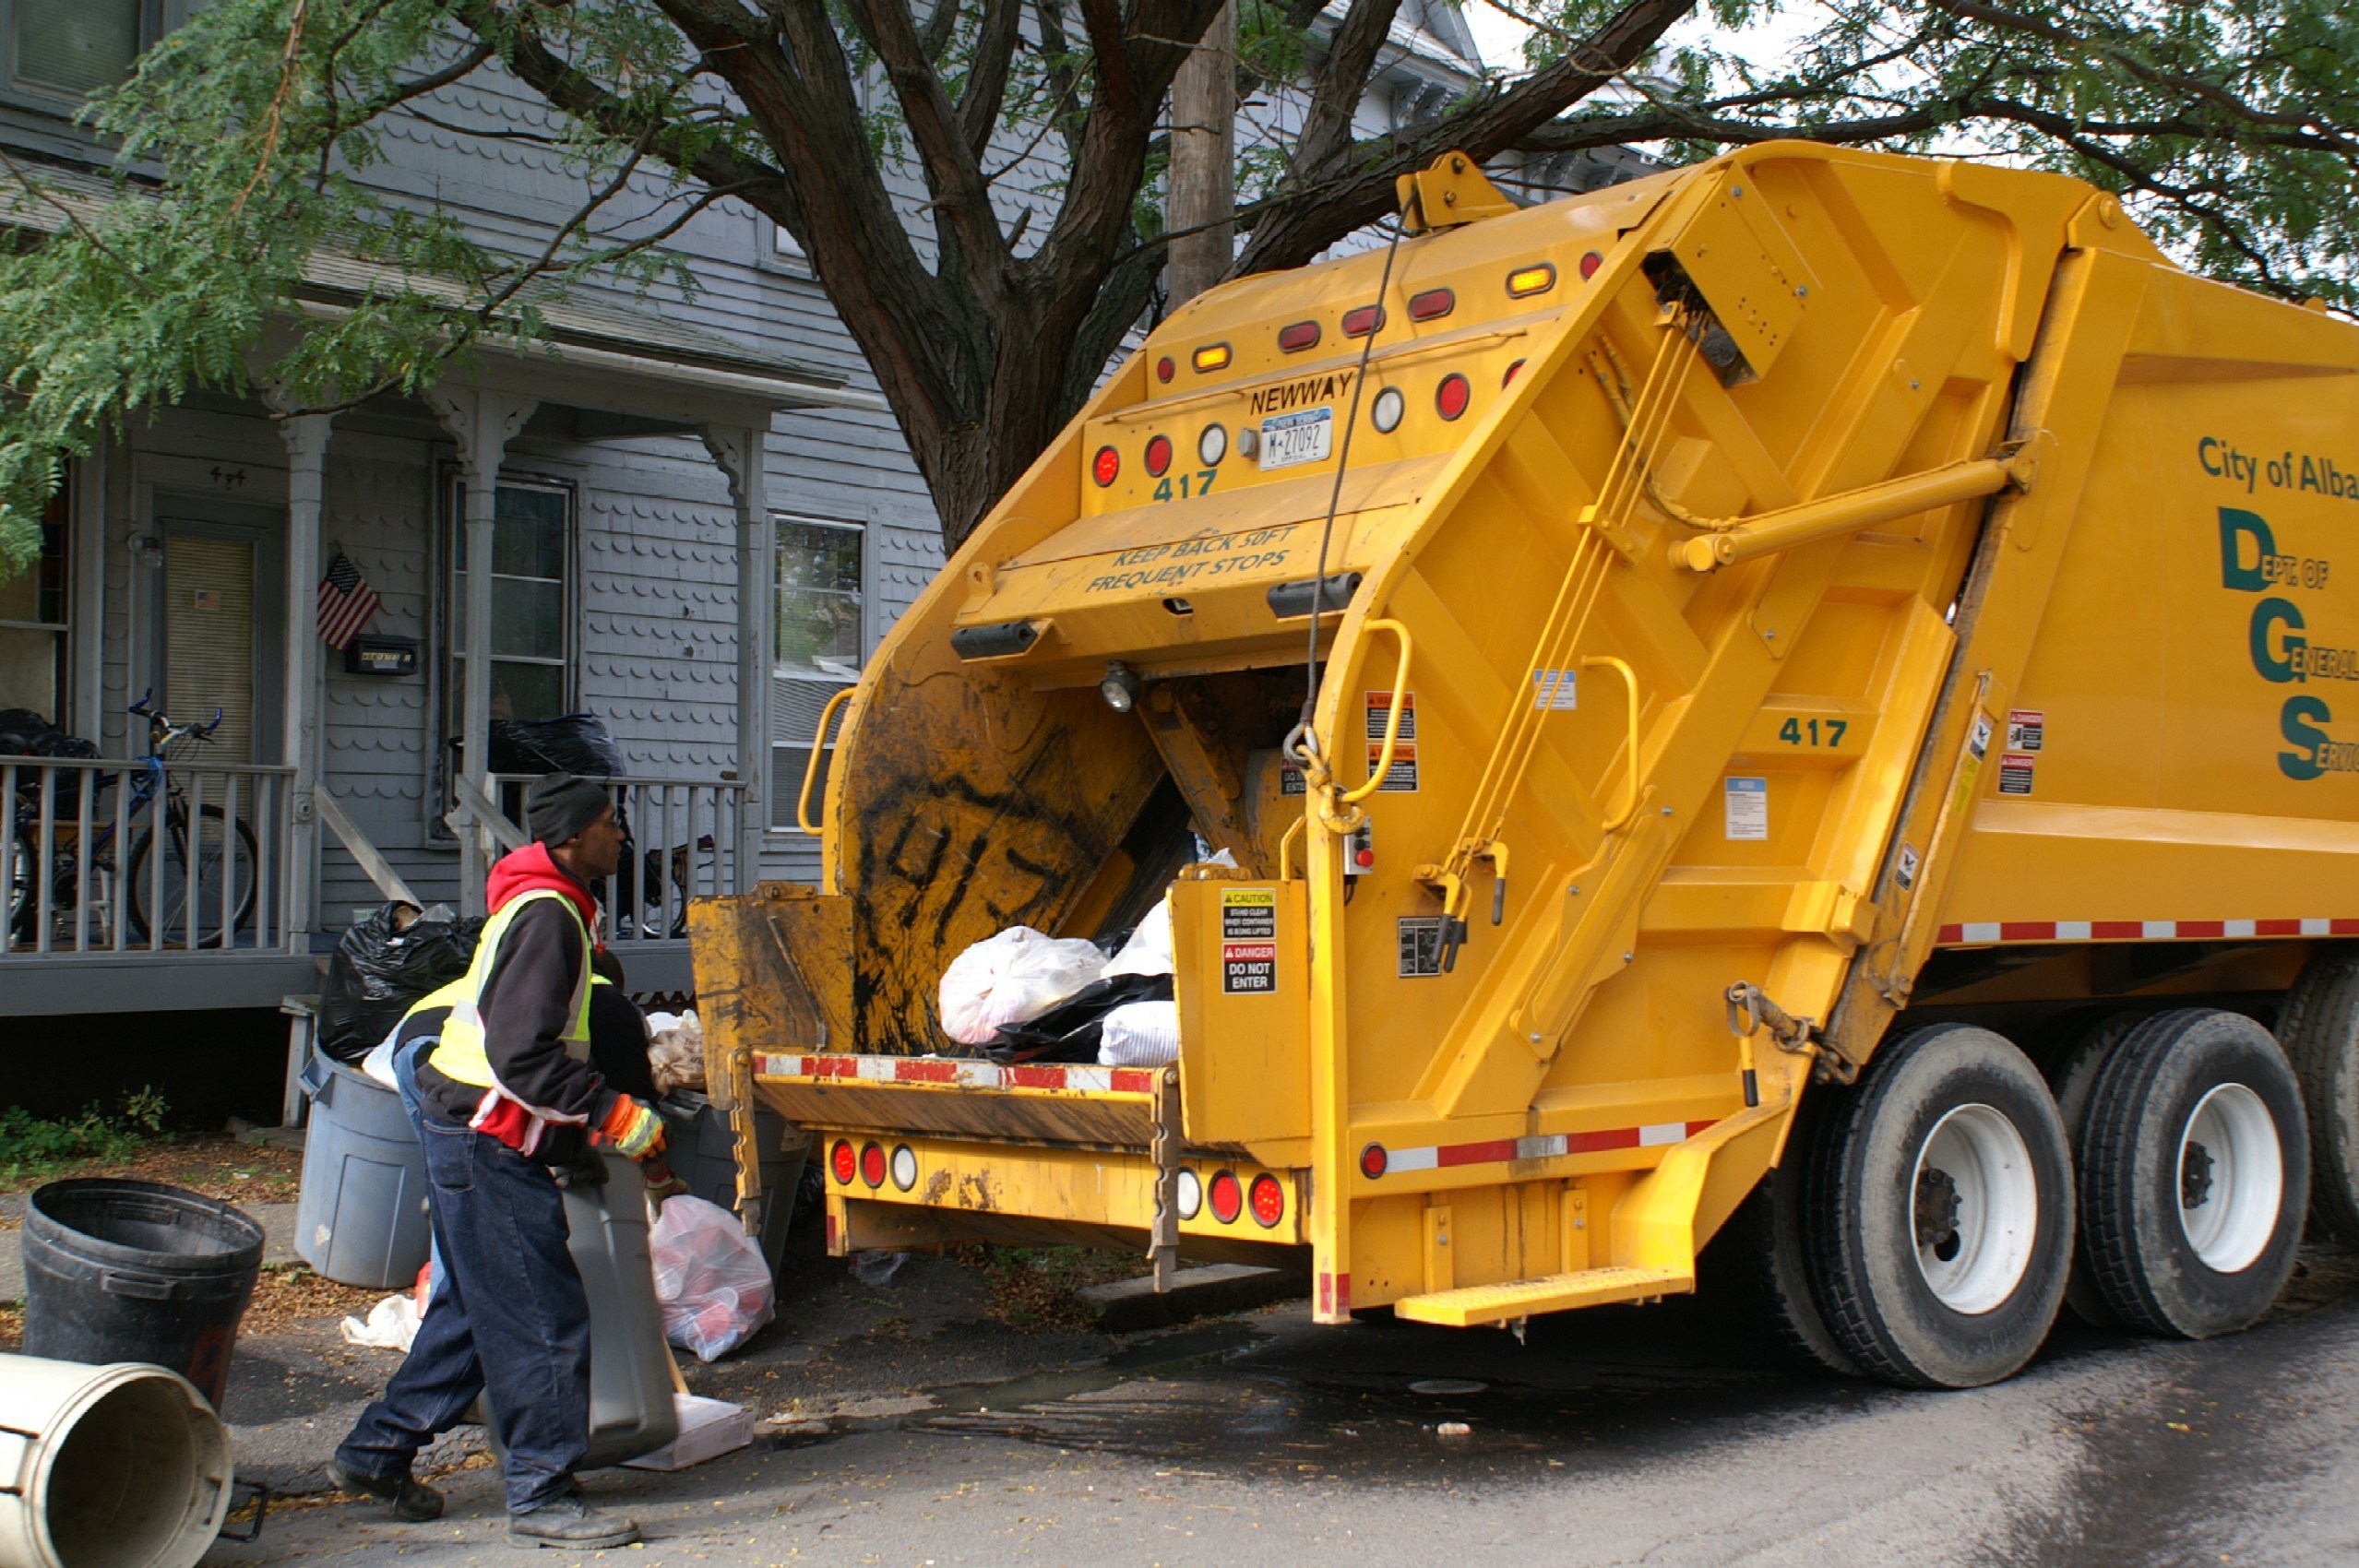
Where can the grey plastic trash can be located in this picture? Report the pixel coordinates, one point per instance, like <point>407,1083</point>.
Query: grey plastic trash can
<point>362,1216</point>
<point>700,1147</point>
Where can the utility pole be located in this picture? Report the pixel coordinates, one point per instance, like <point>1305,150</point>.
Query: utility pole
<point>1203,189</point>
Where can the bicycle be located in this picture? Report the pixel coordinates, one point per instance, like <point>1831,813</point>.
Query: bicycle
<point>224,852</point>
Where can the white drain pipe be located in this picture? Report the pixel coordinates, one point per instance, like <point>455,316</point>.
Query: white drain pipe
<point>107,1467</point>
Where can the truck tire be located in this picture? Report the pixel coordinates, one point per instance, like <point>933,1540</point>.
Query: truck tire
<point>1759,1261</point>
<point>1943,1235</point>
<point>2196,1176</point>
<point>2075,1081</point>
<point>2320,1028</point>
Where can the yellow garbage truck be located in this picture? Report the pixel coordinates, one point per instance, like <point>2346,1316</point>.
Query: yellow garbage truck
<point>1805,703</point>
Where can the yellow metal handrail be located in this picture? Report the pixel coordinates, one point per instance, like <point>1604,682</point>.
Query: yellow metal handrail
<point>1630,686</point>
<point>1286,848</point>
<point>811,766</point>
<point>1392,719</point>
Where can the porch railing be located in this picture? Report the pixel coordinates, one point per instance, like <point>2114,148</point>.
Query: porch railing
<point>116,857</point>
<point>682,844</point>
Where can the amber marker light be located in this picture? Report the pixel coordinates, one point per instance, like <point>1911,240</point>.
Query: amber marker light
<point>1537,278</point>
<point>1213,356</point>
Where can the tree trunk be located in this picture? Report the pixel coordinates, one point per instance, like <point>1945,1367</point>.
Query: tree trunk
<point>1203,193</point>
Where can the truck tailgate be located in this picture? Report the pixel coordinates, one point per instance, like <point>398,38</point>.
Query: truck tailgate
<point>961,1098</point>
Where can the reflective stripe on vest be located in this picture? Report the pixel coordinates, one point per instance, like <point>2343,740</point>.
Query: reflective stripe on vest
<point>459,1056</point>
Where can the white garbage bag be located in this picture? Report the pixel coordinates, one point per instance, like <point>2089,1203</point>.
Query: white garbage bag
<point>1139,1034</point>
<point>709,1277</point>
<point>1011,979</point>
<point>1148,951</point>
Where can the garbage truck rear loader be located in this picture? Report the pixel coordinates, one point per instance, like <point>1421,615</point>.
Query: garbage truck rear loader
<point>1829,723</point>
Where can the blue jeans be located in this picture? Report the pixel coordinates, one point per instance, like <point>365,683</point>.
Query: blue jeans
<point>509,1317</point>
<point>405,1080</point>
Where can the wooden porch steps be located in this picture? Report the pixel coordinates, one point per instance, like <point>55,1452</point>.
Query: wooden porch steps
<point>1472,1304</point>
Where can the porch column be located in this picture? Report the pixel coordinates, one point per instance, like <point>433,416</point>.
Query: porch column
<point>739,451</point>
<point>482,421</point>
<point>306,439</point>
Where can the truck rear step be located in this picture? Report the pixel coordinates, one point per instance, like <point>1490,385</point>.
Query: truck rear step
<point>1471,1306</point>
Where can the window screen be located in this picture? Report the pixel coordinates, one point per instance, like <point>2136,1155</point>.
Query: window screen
<point>74,46</point>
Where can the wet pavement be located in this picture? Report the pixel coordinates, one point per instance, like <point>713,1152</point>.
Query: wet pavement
<point>902,1427</point>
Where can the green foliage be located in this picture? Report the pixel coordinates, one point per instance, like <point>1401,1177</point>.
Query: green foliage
<point>34,1149</point>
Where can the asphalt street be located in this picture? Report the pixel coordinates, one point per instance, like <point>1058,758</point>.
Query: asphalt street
<point>904,1428</point>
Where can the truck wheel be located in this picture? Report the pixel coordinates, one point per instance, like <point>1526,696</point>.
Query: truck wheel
<point>2320,1028</point>
<point>2197,1174</point>
<point>2076,1081</point>
<point>1944,1230</point>
<point>1760,1261</point>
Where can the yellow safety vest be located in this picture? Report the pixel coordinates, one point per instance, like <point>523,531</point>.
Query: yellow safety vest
<point>459,1056</point>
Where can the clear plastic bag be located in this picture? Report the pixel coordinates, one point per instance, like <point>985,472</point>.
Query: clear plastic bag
<point>1010,979</point>
<point>709,1277</point>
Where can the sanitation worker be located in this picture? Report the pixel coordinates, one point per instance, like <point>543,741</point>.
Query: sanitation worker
<point>506,1093</point>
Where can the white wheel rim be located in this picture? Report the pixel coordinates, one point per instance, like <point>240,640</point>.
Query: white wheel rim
<point>2232,1167</point>
<point>1976,1208</point>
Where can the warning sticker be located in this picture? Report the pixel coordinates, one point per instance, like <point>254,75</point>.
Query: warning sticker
<point>1748,809</point>
<point>1248,940</point>
<point>1978,742</point>
<point>2025,728</point>
<point>1400,778</point>
<point>1421,945</point>
<point>1290,777</point>
<point>2015,770</point>
<point>1905,873</point>
<point>1555,690</point>
<point>1380,709</point>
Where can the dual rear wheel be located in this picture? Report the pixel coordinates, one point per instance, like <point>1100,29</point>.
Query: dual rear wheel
<point>1932,1221</point>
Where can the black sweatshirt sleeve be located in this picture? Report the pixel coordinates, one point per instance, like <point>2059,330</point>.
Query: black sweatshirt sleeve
<point>526,1010</point>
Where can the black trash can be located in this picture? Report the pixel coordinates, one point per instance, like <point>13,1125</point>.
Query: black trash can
<point>136,1271</point>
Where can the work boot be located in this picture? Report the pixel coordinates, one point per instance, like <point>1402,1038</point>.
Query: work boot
<point>412,1498</point>
<point>569,1521</point>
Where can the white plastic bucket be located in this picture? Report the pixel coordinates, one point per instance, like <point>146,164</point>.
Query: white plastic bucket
<point>123,1465</point>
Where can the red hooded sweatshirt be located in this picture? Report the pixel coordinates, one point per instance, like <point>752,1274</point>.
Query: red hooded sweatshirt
<point>526,1008</point>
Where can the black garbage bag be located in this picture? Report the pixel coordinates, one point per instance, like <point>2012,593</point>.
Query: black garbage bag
<point>24,733</point>
<point>1069,1031</point>
<point>382,964</point>
<point>575,742</point>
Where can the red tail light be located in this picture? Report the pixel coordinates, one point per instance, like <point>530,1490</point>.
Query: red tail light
<point>843,1162</point>
<point>1107,464</point>
<point>1513,371</point>
<point>871,1165</point>
<point>1361,322</point>
<point>1269,1201</point>
<point>1227,1196</point>
<point>1590,264</point>
<point>1373,1161</point>
<point>1431,305</point>
<point>1158,456</point>
<point>1300,336</point>
<point>1163,368</point>
<point>1450,396</point>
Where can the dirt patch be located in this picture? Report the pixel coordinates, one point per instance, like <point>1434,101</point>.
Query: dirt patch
<point>12,1328</point>
<point>293,1299</point>
<point>1038,1288</point>
<point>212,1163</point>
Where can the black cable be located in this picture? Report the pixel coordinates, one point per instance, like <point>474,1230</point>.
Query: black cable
<point>1303,731</point>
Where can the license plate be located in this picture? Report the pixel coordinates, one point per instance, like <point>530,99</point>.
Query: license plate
<point>1297,438</point>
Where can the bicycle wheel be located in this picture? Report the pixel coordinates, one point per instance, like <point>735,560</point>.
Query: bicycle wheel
<point>23,891</point>
<point>224,854</point>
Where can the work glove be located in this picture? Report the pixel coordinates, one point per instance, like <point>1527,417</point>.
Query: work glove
<point>634,1131</point>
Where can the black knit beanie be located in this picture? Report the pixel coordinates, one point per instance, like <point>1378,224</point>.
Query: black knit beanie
<point>560,805</point>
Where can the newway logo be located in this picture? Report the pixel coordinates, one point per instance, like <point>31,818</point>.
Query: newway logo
<point>1303,393</point>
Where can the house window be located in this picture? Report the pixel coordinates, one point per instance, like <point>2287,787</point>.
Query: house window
<point>819,644</point>
<point>32,622</point>
<point>532,579</point>
<point>72,48</point>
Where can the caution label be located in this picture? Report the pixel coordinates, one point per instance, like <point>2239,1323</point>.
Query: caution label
<point>1421,945</point>
<point>1290,777</point>
<point>1747,810</point>
<point>1905,871</point>
<point>1380,709</point>
<point>1248,940</point>
<point>1400,778</point>
<point>1554,690</point>
<point>2026,728</point>
<point>2014,770</point>
<point>1978,741</point>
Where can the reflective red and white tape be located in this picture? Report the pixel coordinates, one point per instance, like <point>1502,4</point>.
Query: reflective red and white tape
<point>1494,1151</point>
<point>955,1072</point>
<point>1972,933</point>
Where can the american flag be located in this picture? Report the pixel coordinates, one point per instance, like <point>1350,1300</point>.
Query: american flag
<point>346,602</point>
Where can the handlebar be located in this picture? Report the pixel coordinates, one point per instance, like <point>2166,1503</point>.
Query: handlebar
<point>162,731</point>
